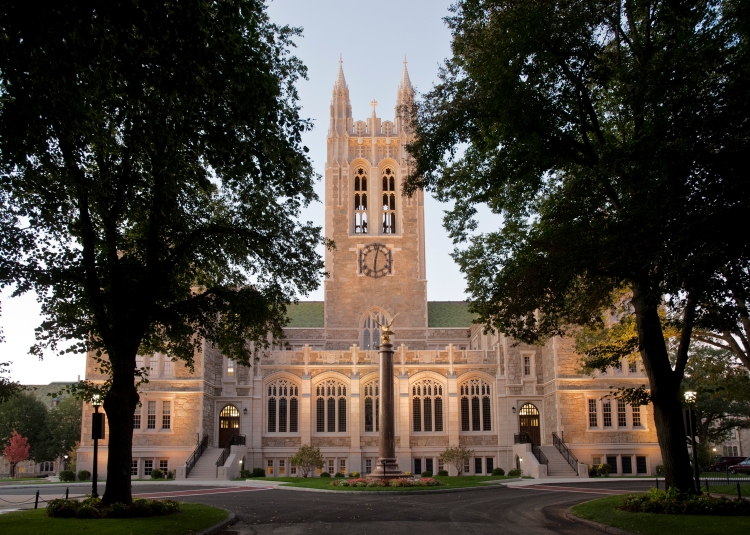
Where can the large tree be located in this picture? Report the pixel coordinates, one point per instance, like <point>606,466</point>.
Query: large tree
<point>29,417</point>
<point>609,135</point>
<point>153,174</point>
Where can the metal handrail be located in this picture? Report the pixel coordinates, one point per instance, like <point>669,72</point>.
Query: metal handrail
<point>236,440</point>
<point>525,438</point>
<point>199,449</point>
<point>565,451</point>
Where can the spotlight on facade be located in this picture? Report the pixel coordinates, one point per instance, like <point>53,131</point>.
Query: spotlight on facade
<point>690,396</point>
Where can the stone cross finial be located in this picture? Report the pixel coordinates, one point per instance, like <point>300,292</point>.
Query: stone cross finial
<point>374,104</point>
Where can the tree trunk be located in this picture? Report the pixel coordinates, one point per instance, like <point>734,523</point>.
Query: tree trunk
<point>119,404</point>
<point>665,392</point>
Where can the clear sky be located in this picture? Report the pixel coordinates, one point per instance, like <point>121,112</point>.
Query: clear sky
<point>373,38</point>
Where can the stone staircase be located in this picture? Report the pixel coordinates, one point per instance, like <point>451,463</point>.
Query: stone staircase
<point>205,468</point>
<point>558,466</point>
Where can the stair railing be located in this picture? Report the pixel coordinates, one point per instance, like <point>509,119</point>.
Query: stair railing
<point>236,440</point>
<point>199,449</point>
<point>565,451</point>
<point>525,438</point>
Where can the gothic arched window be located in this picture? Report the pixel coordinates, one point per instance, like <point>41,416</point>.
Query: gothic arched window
<point>475,406</point>
<point>283,407</point>
<point>371,331</point>
<point>372,407</point>
<point>389,201</point>
<point>360,201</point>
<point>330,407</point>
<point>427,406</point>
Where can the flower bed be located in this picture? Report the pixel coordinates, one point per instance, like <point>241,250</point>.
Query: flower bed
<point>675,503</point>
<point>93,508</point>
<point>401,482</point>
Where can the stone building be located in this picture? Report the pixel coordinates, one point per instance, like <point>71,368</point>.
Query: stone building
<point>455,385</point>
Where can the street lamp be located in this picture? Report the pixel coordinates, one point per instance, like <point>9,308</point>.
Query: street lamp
<point>65,461</point>
<point>690,428</point>
<point>97,433</point>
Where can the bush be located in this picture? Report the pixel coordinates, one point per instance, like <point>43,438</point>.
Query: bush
<point>443,473</point>
<point>353,474</point>
<point>673,502</point>
<point>603,469</point>
<point>498,472</point>
<point>325,474</point>
<point>245,474</point>
<point>514,473</point>
<point>93,508</point>
<point>170,474</point>
<point>258,472</point>
<point>592,471</point>
<point>67,475</point>
<point>426,473</point>
<point>84,475</point>
<point>156,473</point>
<point>660,470</point>
<point>407,473</point>
<point>338,474</point>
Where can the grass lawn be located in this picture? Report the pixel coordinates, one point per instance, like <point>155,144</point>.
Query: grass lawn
<point>603,511</point>
<point>728,489</point>
<point>447,483</point>
<point>193,518</point>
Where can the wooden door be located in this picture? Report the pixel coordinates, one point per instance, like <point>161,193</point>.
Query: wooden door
<point>229,424</point>
<point>529,422</point>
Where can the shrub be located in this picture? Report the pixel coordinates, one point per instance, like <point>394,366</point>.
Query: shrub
<point>67,475</point>
<point>592,471</point>
<point>353,474</point>
<point>660,470</point>
<point>325,474</point>
<point>170,474</point>
<point>245,473</point>
<point>443,472</point>
<point>603,469</point>
<point>62,508</point>
<point>93,508</point>
<point>156,473</point>
<point>258,472</point>
<point>426,473</point>
<point>338,474</point>
<point>514,473</point>
<point>407,473</point>
<point>84,475</point>
<point>675,503</point>
<point>498,472</point>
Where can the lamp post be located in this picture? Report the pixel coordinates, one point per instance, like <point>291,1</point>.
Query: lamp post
<point>97,432</point>
<point>690,424</point>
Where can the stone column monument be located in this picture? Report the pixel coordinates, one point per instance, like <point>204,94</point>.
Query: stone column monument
<point>387,465</point>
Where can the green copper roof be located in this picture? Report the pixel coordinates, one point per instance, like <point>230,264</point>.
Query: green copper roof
<point>448,314</point>
<point>440,314</point>
<point>306,314</point>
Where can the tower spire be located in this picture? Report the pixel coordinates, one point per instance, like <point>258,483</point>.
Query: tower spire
<point>405,80</point>
<point>340,80</point>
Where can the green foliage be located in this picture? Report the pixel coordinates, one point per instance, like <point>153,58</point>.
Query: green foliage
<point>515,472</point>
<point>674,502</point>
<point>457,456</point>
<point>258,472</point>
<point>325,474</point>
<point>29,416</point>
<point>603,469</point>
<point>660,470</point>
<point>426,473</point>
<point>339,474</point>
<point>496,472</point>
<point>156,473</point>
<point>8,388</point>
<point>307,458</point>
<point>84,475</point>
<point>67,475</point>
<point>353,474</point>
<point>444,473</point>
<point>65,427</point>
<point>93,508</point>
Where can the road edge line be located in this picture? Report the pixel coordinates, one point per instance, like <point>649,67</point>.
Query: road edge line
<point>221,525</point>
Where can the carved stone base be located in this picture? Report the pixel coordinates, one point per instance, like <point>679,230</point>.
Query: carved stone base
<point>392,471</point>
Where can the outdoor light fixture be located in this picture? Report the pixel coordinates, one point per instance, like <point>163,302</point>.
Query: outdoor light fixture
<point>97,433</point>
<point>690,397</point>
<point>689,418</point>
<point>244,411</point>
<point>513,409</point>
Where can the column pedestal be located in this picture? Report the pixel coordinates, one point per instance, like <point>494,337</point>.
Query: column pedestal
<point>387,464</point>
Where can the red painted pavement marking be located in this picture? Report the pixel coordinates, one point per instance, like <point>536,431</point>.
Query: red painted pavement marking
<point>583,490</point>
<point>199,492</point>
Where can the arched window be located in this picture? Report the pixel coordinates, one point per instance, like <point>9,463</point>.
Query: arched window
<point>475,406</point>
<point>360,201</point>
<point>389,201</point>
<point>372,407</point>
<point>330,395</point>
<point>283,407</point>
<point>427,406</point>
<point>371,331</point>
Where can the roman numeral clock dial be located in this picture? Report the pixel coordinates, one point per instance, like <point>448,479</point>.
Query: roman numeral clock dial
<point>375,260</point>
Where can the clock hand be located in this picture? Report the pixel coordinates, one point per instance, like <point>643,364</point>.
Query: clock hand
<point>375,261</point>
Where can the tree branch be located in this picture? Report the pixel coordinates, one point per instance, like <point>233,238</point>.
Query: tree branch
<point>688,320</point>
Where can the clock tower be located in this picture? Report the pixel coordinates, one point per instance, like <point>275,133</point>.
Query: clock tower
<point>378,266</point>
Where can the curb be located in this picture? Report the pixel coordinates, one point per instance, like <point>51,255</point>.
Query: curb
<point>221,525</point>
<point>390,492</point>
<point>596,525</point>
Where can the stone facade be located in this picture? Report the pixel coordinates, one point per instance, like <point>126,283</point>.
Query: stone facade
<point>454,384</point>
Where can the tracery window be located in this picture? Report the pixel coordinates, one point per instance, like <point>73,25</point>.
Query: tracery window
<point>283,407</point>
<point>330,407</point>
<point>371,331</point>
<point>389,201</point>
<point>372,407</point>
<point>360,201</point>
<point>475,406</point>
<point>427,406</point>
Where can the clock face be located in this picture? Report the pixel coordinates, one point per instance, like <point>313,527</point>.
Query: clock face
<point>375,260</point>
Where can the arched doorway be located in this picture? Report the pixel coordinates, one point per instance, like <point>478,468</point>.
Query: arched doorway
<point>229,424</point>
<point>528,418</point>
